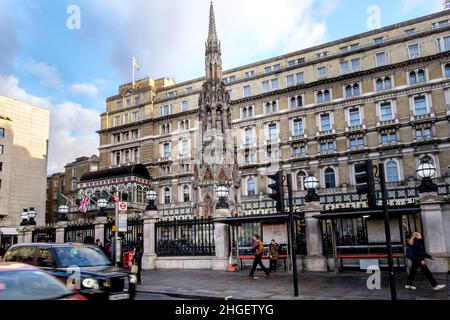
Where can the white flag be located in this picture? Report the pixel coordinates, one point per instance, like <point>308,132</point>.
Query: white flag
<point>135,64</point>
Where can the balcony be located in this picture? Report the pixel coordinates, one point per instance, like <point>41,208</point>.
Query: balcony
<point>422,118</point>
<point>164,159</point>
<point>184,156</point>
<point>273,141</point>
<point>387,123</point>
<point>324,133</point>
<point>356,128</point>
<point>299,135</point>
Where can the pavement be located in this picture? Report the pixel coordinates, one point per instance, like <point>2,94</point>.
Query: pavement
<point>349,285</point>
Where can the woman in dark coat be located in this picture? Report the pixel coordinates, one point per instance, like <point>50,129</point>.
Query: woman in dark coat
<point>417,256</point>
<point>137,260</point>
<point>274,248</point>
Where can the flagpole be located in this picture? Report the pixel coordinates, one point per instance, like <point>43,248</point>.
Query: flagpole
<point>132,64</point>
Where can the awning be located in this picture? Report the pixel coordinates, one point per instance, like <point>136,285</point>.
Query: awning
<point>257,218</point>
<point>8,231</point>
<point>371,213</point>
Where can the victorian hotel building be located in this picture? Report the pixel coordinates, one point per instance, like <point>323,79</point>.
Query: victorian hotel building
<point>381,95</point>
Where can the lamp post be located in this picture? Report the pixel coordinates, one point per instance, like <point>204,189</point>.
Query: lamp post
<point>102,204</point>
<point>24,216</point>
<point>31,216</point>
<point>426,170</point>
<point>311,184</point>
<point>151,197</point>
<point>63,210</point>
<point>222,193</point>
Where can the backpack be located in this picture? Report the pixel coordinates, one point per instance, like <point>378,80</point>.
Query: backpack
<point>260,248</point>
<point>409,253</point>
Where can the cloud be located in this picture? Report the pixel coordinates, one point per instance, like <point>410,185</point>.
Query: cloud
<point>48,75</point>
<point>8,40</point>
<point>72,126</point>
<point>172,43</point>
<point>84,88</point>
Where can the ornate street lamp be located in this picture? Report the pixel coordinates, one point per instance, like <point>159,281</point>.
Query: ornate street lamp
<point>311,184</point>
<point>31,216</point>
<point>102,204</point>
<point>63,210</point>
<point>222,193</point>
<point>24,216</point>
<point>426,170</point>
<point>151,197</point>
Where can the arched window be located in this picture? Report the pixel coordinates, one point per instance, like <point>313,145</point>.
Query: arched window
<point>167,195</point>
<point>139,195</point>
<point>387,83</point>
<point>392,171</point>
<point>251,187</point>
<point>319,96</point>
<point>379,84</point>
<point>330,178</point>
<point>301,176</point>
<point>299,101</point>
<point>293,102</point>
<point>447,70</point>
<point>250,111</point>
<point>348,91</point>
<point>327,95</point>
<point>186,193</point>
<point>421,75</point>
<point>268,107</point>
<point>356,89</point>
<point>412,77</point>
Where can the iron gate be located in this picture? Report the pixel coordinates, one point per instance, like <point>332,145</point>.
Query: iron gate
<point>185,237</point>
<point>134,234</point>
<point>44,234</point>
<point>80,232</point>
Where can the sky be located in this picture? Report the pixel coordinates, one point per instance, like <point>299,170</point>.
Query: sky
<point>68,56</point>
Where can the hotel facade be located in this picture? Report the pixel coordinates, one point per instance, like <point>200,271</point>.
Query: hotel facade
<point>382,95</point>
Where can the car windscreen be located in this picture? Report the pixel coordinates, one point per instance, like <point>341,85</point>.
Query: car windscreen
<point>31,285</point>
<point>80,257</point>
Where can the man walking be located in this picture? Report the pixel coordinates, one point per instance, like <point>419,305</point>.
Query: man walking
<point>258,251</point>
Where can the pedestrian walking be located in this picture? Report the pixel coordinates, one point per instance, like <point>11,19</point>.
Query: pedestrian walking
<point>417,254</point>
<point>137,261</point>
<point>258,251</point>
<point>274,249</point>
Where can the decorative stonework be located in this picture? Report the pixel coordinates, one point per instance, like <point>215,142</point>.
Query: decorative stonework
<point>216,156</point>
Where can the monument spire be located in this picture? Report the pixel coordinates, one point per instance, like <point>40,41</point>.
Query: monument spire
<point>213,55</point>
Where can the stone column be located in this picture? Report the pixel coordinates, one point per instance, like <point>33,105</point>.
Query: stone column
<point>149,256</point>
<point>60,227</point>
<point>434,237</point>
<point>99,232</point>
<point>221,241</point>
<point>315,260</point>
<point>28,235</point>
<point>21,238</point>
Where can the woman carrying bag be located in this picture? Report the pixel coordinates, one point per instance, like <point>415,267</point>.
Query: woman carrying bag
<point>136,267</point>
<point>417,254</point>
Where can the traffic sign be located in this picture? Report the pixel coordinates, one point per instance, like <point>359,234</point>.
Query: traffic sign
<point>123,222</point>
<point>123,206</point>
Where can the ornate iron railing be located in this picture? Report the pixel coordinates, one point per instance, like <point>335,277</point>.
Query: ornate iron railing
<point>80,232</point>
<point>179,237</point>
<point>44,234</point>
<point>134,234</point>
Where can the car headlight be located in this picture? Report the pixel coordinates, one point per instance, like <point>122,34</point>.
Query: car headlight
<point>90,283</point>
<point>106,283</point>
<point>133,278</point>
